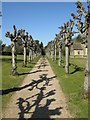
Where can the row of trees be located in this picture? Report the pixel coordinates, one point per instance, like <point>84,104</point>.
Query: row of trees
<point>27,41</point>
<point>65,37</point>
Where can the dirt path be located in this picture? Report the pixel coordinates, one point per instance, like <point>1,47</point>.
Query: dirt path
<point>39,96</point>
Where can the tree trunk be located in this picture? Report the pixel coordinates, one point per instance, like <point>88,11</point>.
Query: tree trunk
<point>55,53</point>
<point>89,59</point>
<point>87,71</point>
<point>14,58</point>
<point>60,56</point>
<point>32,55</point>
<point>29,55</point>
<point>67,60</point>
<point>25,57</point>
<point>52,55</point>
<point>86,77</point>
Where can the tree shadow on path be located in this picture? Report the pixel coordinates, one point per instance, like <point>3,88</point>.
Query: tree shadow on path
<point>33,83</point>
<point>39,111</point>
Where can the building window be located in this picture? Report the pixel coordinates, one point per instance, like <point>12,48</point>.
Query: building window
<point>78,52</point>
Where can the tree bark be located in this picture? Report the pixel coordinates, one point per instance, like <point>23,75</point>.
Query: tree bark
<point>52,55</point>
<point>14,58</point>
<point>29,55</point>
<point>87,71</point>
<point>67,60</point>
<point>32,54</point>
<point>55,53</point>
<point>86,77</point>
<point>89,59</point>
<point>25,57</point>
<point>60,56</point>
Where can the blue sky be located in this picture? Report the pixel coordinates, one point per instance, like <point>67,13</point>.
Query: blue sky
<point>41,19</point>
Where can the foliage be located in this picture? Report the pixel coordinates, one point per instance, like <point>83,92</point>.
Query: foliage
<point>79,39</point>
<point>37,42</point>
<point>8,48</point>
<point>41,45</point>
<point>19,48</point>
<point>63,50</point>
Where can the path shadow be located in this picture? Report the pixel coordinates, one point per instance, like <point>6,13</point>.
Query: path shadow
<point>32,72</point>
<point>39,111</point>
<point>32,84</point>
<point>43,63</point>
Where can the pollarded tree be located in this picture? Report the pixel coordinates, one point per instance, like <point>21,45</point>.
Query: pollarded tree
<point>52,50</point>
<point>25,39</point>
<point>14,39</point>
<point>84,31</point>
<point>55,48</point>
<point>47,50</point>
<point>37,49</point>
<point>30,45</point>
<point>59,44</point>
<point>60,52</point>
<point>67,32</point>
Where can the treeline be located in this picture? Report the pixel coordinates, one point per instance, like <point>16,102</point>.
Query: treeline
<point>6,49</point>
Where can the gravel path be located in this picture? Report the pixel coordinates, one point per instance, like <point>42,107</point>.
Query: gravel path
<point>39,96</point>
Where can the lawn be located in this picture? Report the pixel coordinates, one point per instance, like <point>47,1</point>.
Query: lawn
<point>8,81</point>
<point>72,85</point>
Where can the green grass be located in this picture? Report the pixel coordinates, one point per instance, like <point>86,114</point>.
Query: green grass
<point>72,85</point>
<point>9,81</point>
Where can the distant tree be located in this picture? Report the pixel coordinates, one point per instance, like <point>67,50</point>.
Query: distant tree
<point>3,47</point>
<point>41,45</point>
<point>0,46</point>
<point>8,49</point>
<point>63,50</point>
<point>19,47</point>
<point>42,48</point>
<point>37,42</point>
<point>79,39</point>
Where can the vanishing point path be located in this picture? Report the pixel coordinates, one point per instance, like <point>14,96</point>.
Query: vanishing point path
<point>39,96</point>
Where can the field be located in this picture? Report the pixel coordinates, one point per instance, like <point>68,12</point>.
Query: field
<point>72,85</point>
<point>9,82</point>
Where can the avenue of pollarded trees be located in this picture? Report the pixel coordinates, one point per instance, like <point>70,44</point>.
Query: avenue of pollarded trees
<point>27,42</point>
<point>65,38</point>
<point>48,82</point>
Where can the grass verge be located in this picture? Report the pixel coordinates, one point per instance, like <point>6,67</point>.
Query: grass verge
<point>9,81</point>
<point>72,85</point>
